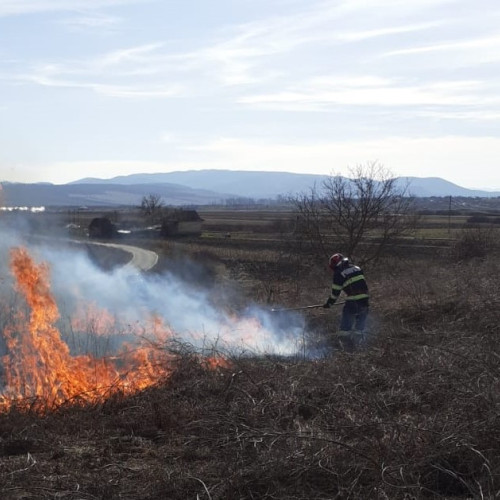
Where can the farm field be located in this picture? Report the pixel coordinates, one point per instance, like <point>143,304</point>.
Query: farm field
<point>412,413</point>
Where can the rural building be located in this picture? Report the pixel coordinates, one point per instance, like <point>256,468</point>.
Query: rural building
<point>181,223</point>
<point>101,227</point>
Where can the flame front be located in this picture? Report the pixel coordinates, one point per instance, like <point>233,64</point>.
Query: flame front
<point>39,368</point>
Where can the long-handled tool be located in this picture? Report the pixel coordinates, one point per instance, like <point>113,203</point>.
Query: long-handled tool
<point>314,306</point>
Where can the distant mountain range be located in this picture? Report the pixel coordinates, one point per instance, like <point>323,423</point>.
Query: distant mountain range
<point>102,194</point>
<point>198,187</point>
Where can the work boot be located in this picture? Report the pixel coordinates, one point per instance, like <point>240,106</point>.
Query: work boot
<point>345,341</point>
<point>358,339</point>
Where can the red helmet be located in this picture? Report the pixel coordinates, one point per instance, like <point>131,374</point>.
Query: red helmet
<point>334,260</point>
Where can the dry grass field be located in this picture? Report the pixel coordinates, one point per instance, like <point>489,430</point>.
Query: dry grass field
<point>412,414</point>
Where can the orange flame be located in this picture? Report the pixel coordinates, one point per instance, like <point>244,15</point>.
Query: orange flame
<point>39,370</point>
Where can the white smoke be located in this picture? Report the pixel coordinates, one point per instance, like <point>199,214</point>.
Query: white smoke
<point>188,308</point>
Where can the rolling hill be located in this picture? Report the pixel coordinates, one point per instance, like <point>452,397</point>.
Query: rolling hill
<point>257,185</point>
<point>198,187</point>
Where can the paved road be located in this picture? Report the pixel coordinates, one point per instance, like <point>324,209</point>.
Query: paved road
<point>141,260</point>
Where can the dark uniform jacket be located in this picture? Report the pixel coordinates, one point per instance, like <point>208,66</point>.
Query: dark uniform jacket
<point>350,279</point>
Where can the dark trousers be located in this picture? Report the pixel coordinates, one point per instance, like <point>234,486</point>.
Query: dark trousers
<point>354,314</point>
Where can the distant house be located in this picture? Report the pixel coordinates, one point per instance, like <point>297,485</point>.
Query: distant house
<point>180,222</point>
<point>101,227</point>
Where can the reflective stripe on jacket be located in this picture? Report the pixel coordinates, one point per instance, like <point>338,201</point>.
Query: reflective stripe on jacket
<point>350,279</point>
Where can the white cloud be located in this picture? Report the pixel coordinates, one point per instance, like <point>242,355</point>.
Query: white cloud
<point>255,46</point>
<point>17,7</point>
<point>483,115</point>
<point>246,54</point>
<point>92,21</point>
<point>373,91</point>
<point>472,54</point>
<point>118,91</point>
<point>136,55</point>
<point>490,42</point>
<point>355,36</point>
<point>255,53</point>
<point>125,73</point>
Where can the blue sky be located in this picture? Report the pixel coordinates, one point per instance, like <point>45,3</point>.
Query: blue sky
<point>112,87</point>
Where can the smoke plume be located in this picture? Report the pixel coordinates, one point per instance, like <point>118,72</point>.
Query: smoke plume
<point>124,302</point>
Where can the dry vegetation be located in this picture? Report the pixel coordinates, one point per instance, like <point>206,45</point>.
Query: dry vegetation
<point>413,414</point>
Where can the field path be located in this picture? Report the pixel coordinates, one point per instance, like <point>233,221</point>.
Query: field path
<point>141,260</point>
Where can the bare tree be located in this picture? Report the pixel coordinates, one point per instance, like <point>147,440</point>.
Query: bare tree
<point>359,216</point>
<point>152,206</point>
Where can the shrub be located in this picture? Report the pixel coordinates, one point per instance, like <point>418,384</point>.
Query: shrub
<point>473,243</point>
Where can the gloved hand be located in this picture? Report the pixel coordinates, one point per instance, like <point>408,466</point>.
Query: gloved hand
<point>329,303</point>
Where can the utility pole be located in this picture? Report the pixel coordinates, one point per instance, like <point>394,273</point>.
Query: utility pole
<point>449,215</point>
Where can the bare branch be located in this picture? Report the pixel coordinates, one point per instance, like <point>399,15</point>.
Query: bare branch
<point>362,214</point>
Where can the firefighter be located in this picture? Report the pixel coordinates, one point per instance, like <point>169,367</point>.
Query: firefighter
<point>349,278</point>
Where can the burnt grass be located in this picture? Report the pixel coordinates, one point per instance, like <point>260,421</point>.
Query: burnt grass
<point>414,413</point>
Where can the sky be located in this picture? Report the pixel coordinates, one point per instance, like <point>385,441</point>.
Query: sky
<point>100,88</point>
